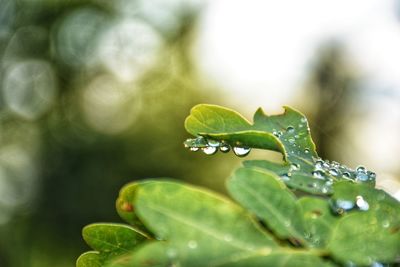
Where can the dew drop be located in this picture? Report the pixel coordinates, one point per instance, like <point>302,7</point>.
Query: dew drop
<point>319,164</point>
<point>361,176</point>
<point>318,174</point>
<point>192,244</point>
<point>290,129</point>
<point>346,175</point>
<point>285,177</point>
<point>194,149</point>
<point>241,151</point>
<point>213,143</point>
<point>334,172</point>
<point>361,169</point>
<point>324,190</point>
<point>291,140</point>
<point>344,204</point>
<point>296,136</point>
<point>306,150</point>
<point>294,166</point>
<point>303,120</point>
<point>361,203</point>
<point>225,148</point>
<point>209,150</point>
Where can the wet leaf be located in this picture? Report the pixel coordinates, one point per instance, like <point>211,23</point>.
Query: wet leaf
<point>198,224</point>
<point>287,133</point>
<point>362,238</point>
<point>294,179</point>
<point>319,219</point>
<point>264,194</point>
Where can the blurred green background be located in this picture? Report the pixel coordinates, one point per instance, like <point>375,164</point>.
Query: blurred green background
<point>93,94</point>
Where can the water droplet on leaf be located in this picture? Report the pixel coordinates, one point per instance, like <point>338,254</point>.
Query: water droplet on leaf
<point>225,148</point>
<point>209,150</point>
<point>318,174</point>
<point>194,149</point>
<point>361,203</point>
<point>241,151</point>
<point>213,143</point>
<point>290,129</point>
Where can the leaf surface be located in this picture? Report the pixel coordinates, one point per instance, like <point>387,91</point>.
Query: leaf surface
<point>319,219</point>
<point>198,224</point>
<point>89,259</point>
<point>264,194</point>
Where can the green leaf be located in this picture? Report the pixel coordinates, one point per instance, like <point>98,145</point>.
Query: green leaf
<point>154,254</point>
<point>281,258</point>
<point>287,133</point>
<point>293,179</point>
<point>349,196</point>
<point>200,225</point>
<point>362,238</point>
<point>89,259</point>
<point>318,218</point>
<point>125,206</point>
<point>264,194</point>
<point>111,239</point>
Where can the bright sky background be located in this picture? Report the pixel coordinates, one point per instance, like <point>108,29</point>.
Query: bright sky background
<point>259,51</point>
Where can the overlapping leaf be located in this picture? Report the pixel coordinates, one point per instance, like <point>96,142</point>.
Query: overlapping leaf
<point>109,240</point>
<point>264,194</point>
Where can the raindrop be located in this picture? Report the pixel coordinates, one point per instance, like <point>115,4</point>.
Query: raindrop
<point>346,175</point>
<point>377,264</point>
<point>361,176</point>
<point>194,149</point>
<point>319,164</point>
<point>192,244</point>
<point>361,169</point>
<point>213,143</point>
<point>285,177</point>
<point>303,120</point>
<point>290,129</point>
<point>306,150</point>
<point>294,166</point>
<point>225,148</point>
<point>325,190</point>
<point>301,125</point>
<point>209,150</point>
<point>296,136</point>
<point>361,203</point>
<point>344,204</point>
<point>291,140</point>
<point>241,151</point>
<point>334,172</point>
<point>318,174</point>
<point>372,175</point>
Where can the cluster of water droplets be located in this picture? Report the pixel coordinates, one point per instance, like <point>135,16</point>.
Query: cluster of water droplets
<point>210,146</point>
<point>323,169</point>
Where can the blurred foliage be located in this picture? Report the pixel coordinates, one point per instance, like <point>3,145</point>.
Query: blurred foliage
<point>94,94</point>
<point>333,85</point>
